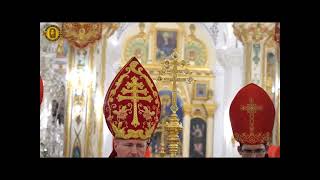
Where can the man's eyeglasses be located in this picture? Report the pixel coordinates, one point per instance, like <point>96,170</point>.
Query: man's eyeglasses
<point>131,145</point>
<point>255,151</point>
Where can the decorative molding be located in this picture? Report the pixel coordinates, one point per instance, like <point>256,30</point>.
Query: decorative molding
<point>122,28</point>
<point>253,32</point>
<point>230,57</point>
<point>213,30</point>
<point>218,70</point>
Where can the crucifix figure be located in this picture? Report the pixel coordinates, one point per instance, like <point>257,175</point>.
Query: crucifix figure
<point>134,88</point>
<point>251,109</point>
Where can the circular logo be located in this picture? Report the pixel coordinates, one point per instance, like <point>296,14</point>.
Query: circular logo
<point>52,33</point>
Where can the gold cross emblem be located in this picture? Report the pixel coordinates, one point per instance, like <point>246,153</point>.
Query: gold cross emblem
<point>251,109</point>
<point>134,88</point>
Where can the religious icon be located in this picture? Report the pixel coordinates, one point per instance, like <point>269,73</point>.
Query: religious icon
<point>195,53</point>
<point>271,58</point>
<point>52,33</point>
<point>198,138</point>
<point>165,102</point>
<point>166,43</point>
<point>256,58</point>
<point>137,47</point>
<point>155,143</point>
<point>198,149</point>
<point>62,49</point>
<point>165,98</point>
<point>192,55</point>
<point>197,131</point>
<point>82,33</point>
<point>270,80</point>
<point>201,90</point>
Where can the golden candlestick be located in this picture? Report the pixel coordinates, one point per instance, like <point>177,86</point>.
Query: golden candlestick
<point>173,127</point>
<point>162,144</point>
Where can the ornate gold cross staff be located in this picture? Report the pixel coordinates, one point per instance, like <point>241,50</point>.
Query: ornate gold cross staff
<point>173,126</point>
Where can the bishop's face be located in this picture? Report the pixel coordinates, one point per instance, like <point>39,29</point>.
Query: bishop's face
<point>130,147</point>
<point>252,151</point>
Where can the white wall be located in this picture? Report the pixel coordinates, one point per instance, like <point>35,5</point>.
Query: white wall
<point>112,64</point>
<point>218,131</point>
<point>229,81</point>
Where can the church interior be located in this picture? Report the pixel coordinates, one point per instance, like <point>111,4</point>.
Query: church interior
<point>77,69</point>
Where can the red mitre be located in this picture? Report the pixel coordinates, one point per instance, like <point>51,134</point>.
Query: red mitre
<point>252,115</point>
<point>132,103</point>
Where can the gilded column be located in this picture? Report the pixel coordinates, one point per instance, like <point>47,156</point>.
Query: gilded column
<point>209,147</point>
<point>109,29</point>
<point>254,36</point>
<point>67,130</point>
